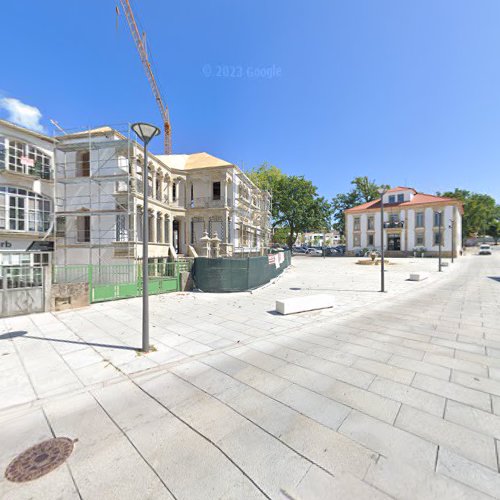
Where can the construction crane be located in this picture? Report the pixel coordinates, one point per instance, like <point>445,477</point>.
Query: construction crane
<point>143,54</point>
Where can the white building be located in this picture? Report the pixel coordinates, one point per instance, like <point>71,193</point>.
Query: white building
<point>100,178</point>
<point>411,223</point>
<point>319,239</point>
<point>26,196</point>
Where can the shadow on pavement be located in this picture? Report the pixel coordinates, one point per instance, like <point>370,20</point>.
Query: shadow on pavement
<point>24,334</point>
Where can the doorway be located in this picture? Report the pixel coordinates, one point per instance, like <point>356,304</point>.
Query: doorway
<point>394,242</point>
<point>175,238</point>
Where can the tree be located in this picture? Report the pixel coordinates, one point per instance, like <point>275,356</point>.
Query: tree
<point>364,190</point>
<point>480,211</point>
<point>296,206</point>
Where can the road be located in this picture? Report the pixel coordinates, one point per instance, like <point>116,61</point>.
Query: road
<point>391,395</point>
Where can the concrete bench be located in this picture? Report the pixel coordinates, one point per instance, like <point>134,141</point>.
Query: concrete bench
<point>418,276</point>
<point>303,304</point>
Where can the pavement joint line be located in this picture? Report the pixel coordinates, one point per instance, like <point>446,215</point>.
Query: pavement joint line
<point>133,445</point>
<point>206,438</point>
<point>66,463</point>
<point>215,396</point>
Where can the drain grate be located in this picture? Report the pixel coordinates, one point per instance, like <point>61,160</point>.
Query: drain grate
<point>39,460</point>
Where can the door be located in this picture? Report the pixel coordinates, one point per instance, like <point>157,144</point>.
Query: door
<point>176,235</point>
<point>21,290</point>
<point>394,242</point>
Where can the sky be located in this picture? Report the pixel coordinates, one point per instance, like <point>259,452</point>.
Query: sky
<point>406,92</point>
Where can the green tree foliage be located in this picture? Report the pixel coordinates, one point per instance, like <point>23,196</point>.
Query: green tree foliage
<point>364,190</point>
<point>480,212</point>
<point>296,206</point>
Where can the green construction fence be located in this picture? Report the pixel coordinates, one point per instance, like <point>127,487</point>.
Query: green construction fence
<point>233,274</point>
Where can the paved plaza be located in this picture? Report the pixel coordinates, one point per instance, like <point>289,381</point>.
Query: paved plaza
<point>392,395</point>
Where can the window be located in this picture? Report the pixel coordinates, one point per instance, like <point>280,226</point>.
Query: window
<point>83,229</point>
<point>356,224</point>
<point>371,223</point>
<point>121,228</point>
<point>192,192</point>
<point>419,240</point>
<point>392,198</point>
<point>370,240</point>
<point>83,164</point>
<point>216,190</point>
<point>174,191</point>
<point>25,159</point>
<point>437,219</point>
<point>2,153</point>
<point>23,210</point>
<point>61,226</point>
<point>40,259</point>
<point>419,219</point>
<point>401,198</point>
<point>357,240</point>
<point>437,238</point>
<point>393,218</point>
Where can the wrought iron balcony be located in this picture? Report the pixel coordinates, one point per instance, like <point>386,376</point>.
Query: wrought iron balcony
<point>394,224</point>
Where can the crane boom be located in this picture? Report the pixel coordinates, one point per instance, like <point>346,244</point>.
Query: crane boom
<point>167,138</point>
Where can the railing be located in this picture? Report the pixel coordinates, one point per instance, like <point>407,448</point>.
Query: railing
<point>394,224</point>
<point>208,202</point>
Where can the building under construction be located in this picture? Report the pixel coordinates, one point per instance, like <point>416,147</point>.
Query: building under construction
<point>99,202</point>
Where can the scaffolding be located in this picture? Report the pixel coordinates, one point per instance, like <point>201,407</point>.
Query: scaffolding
<point>95,209</point>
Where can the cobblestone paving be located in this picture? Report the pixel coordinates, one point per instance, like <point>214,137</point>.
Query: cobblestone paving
<point>391,395</point>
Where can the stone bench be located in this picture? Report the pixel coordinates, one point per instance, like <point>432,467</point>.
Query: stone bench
<point>303,304</point>
<point>418,276</point>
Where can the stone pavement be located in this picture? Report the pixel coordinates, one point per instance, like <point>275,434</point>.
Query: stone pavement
<point>391,395</point>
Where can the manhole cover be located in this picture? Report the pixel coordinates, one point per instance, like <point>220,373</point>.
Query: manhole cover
<point>39,460</point>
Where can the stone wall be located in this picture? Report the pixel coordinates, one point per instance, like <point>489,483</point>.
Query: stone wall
<point>69,296</point>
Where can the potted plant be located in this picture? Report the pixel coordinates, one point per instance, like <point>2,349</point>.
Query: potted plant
<point>419,250</point>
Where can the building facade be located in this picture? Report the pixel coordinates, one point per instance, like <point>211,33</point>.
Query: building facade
<point>78,199</point>
<point>329,239</point>
<point>26,196</point>
<point>413,222</point>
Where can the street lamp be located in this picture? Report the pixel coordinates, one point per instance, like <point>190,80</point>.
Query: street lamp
<point>440,232</point>
<point>145,132</point>
<point>452,227</point>
<point>382,191</point>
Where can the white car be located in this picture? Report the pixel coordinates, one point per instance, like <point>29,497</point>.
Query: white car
<point>484,250</point>
<point>314,251</point>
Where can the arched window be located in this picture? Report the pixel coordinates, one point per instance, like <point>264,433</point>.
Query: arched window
<point>23,210</point>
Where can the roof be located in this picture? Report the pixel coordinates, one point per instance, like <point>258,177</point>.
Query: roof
<point>193,161</point>
<point>93,131</point>
<point>418,199</point>
<point>26,130</point>
<point>401,188</point>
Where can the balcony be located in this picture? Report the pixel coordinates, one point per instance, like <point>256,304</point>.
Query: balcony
<point>398,224</point>
<point>208,203</point>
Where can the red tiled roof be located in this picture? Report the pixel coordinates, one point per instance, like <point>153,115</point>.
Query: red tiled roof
<point>401,188</point>
<point>418,199</point>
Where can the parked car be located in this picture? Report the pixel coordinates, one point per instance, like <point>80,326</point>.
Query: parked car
<point>340,249</point>
<point>314,251</point>
<point>484,250</point>
<point>299,250</point>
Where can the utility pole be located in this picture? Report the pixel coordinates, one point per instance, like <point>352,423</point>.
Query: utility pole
<point>440,233</point>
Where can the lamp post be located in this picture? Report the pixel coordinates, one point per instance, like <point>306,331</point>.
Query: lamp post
<point>440,232</point>
<point>382,191</point>
<point>452,227</point>
<point>145,132</point>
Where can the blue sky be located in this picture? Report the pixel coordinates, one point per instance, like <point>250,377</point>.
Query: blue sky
<point>404,91</point>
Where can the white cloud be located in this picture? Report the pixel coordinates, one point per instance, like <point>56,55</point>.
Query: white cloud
<point>22,114</point>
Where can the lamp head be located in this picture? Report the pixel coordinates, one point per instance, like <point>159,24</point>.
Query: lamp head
<point>145,131</point>
<point>382,191</point>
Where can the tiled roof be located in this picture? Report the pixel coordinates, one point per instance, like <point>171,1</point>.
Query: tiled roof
<point>418,199</point>
<point>401,188</point>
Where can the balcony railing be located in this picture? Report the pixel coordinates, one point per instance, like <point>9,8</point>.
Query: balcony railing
<point>394,224</point>
<point>208,203</point>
